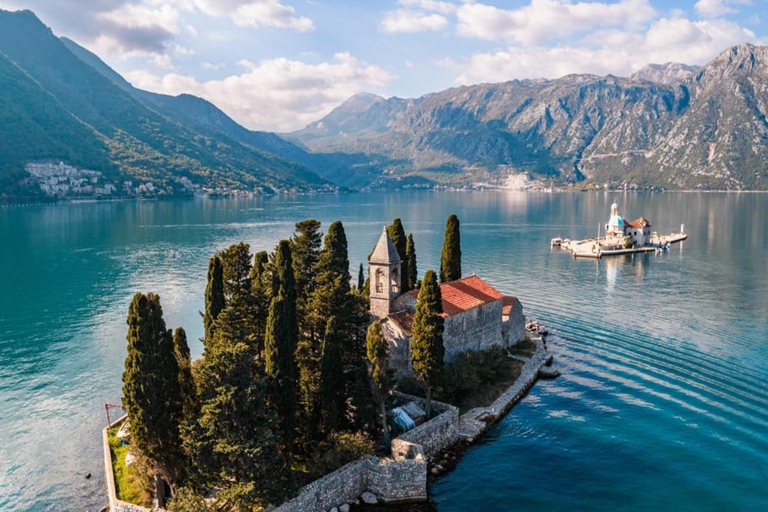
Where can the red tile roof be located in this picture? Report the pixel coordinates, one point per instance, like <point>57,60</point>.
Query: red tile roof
<point>465,294</point>
<point>404,320</point>
<point>508,304</point>
<point>640,223</point>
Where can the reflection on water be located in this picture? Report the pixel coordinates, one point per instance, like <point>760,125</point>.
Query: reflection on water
<point>662,402</point>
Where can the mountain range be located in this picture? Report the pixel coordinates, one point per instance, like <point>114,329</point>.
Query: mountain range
<point>670,126</point>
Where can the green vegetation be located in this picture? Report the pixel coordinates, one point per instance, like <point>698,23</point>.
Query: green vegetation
<point>133,483</point>
<point>411,274</point>
<point>427,350</point>
<point>525,348</point>
<point>472,379</point>
<point>450,261</point>
<point>379,373</point>
<point>282,392</point>
<point>152,396</point>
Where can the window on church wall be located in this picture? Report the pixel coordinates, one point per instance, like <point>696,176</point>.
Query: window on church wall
<point>379,281</point>
<point>394,281</point>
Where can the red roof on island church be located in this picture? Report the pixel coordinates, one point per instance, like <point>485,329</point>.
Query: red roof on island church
<point>465,294</point>
<point>640,223</point>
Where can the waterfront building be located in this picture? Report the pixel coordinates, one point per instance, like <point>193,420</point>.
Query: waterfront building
<point>477,316</point>
<point>618,231</point>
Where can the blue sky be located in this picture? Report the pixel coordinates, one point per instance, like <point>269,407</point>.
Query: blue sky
<point>280,64</point>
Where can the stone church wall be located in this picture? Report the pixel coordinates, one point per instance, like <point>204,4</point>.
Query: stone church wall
<point>477,329</point>
<point>513,328</point>
<point>400,348</point>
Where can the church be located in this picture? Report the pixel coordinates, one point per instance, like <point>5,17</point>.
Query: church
<point>477,316</point>
<point>618,231</point>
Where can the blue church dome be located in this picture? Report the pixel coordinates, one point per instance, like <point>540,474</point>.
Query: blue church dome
<point>616,220</point>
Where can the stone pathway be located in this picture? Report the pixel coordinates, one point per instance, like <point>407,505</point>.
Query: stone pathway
<point>475,422</point>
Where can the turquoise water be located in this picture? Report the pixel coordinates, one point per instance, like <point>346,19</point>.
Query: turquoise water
<point>662,404</point>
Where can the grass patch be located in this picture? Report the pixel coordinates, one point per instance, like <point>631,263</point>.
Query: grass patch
<point>132,483</point>
<point>473,379</point>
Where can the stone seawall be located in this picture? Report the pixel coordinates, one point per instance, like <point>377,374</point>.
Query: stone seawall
<point>475,422</point>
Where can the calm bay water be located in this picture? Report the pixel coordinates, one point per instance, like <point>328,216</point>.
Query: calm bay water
<point>662,403</point>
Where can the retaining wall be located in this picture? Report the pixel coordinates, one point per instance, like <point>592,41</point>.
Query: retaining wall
<point>435,435</point>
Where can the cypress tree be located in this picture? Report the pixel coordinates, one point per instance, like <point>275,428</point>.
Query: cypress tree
<point>280,343</point>
<point>411,274</point>
<point>360,279</point>
<point>397,234</point>
<point>188,391</point>
<point>238,322</point>
<point>450,262</point>
<point>261,287</point>
<point>236,441</point>
<point>332,382</point>
<point>214,297</point>
<point>379,374</point>
<point>236,260</point>
<point>427,350</point>
<point>152,396</point>
<point>305,251</point>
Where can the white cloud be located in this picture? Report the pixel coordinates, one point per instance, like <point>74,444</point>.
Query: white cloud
<point>430,5</point>
<point>543,20</point>
<point>717,8</point>
<point>254,13</point>
<point>409,21</point>
<point>276,94</point>
<point>665,40</point>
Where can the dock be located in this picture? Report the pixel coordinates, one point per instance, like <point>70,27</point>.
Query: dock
<point>596,248</point>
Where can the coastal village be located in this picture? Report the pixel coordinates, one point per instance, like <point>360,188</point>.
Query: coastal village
<point>422,338</point>
<point>621,237</point>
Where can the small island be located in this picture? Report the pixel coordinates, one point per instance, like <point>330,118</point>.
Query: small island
<point>313,394</point>
<point>621,237</point>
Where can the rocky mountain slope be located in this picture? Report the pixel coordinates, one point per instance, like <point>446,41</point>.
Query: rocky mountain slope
<point>668,126</point>
<point>61,106</point>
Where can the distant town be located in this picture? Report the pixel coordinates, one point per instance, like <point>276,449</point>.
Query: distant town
<point>61,181</point>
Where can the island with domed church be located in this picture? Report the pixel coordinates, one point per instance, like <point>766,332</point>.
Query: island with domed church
<point>314,393</point>
<point>621,237</point>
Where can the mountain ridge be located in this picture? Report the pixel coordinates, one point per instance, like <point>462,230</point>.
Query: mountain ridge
<point>644,130</point>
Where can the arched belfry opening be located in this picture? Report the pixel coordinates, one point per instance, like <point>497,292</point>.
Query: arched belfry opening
<point>384,275</point>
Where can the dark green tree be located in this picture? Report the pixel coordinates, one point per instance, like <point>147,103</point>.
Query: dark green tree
<point>332,380</point>
<point>305,251</point>
<point>214,297</point>
<point>236,441</point>
<point>360,279</point>
<point>280,343</point>
<point>379,374</point>
<point>152,396</point>
<point>427,350</point>
<point>411,274</point>
<point>261,287</point>
<point>450,261</point>
<point>239,322</point>
<point>236,260</point>
<point>188,391</point>
<point>397,234</point>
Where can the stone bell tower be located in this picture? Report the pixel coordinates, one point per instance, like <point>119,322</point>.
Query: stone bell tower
<point>384,275</point>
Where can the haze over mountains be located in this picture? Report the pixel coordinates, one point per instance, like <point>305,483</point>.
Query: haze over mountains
<point>670,126</point>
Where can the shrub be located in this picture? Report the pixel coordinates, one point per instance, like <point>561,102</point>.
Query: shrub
<point>339,449</point>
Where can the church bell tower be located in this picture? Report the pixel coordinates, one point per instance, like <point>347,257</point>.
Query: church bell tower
<point>384,276</point>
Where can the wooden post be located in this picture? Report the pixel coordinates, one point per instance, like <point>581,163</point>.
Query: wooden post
<point>106,408</point>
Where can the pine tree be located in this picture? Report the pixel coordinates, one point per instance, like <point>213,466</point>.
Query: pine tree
<point>427,350</point>
<point>238,322</point>
<point>236,260</point>
<point>236,441</point>
<point>152,396</point>
<point>188,391</point>
<point>214,297</point>
<point>379,374</point>
<point>411,274</point>
<point>360,279</point>
<point>305,250</point>
<point>280,343</point>
<point>450,262</point>
<point>332,381</point>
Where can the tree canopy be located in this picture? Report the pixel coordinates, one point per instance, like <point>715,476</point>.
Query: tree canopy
<point>427,350</point>
<point>450,262</point>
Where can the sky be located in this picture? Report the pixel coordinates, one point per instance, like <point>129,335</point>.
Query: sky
<point>278,65</point>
